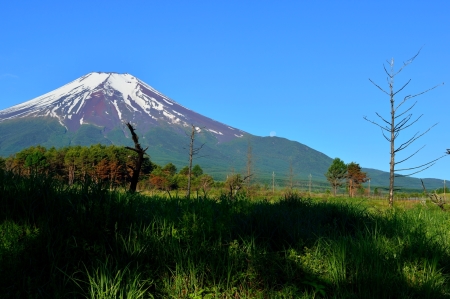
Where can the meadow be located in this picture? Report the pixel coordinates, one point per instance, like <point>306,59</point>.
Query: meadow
<point>87,241</point>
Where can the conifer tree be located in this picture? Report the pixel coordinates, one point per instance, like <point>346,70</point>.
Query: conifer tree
<point>336,174</point>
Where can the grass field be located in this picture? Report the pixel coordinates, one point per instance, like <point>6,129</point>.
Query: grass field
<point>86,241</point>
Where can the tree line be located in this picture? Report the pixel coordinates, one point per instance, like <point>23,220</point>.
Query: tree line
<point>114,165</point>
<point>111,165</point>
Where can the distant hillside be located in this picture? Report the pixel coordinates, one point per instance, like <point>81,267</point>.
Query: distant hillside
<point>269,154</point>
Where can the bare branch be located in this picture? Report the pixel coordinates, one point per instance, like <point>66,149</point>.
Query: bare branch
<point>247,177</point>
<point>195,151</point>
<point>388,139</point>
<point>410,174</point>
<point>414,138</point>
<point>409,156</point>
<point>412,59</point>
<point>423,185</point>
<point>403,128</point>
<point>402,87</point>
<point>406,110</point>
<point>406,144</point>
<point>416,95</point>
<point>382,118</point>
<point>131,149</point>
<point>383,128</point>
<point>379,87</point>
<point>401,123</point>
<point>409,61</point>
<point>386,71</point>
<point>431,162</point>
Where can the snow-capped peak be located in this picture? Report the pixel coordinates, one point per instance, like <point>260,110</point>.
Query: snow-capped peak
<point>109,99</point>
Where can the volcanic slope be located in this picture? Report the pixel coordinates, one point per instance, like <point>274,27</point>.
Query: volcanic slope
<point>94,108</point>
<point>110,99</point>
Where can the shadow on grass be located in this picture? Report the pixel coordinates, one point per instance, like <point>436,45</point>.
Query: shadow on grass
<point>58,241</point>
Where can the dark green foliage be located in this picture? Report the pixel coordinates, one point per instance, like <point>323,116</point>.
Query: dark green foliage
<point>336,174</point>
<point>117,136</point>
<point>89,134</point>
<point>184,170</point>
<point>36,162</point>
<point>109,164</point>
<point>18,134</point>
<point>197,170</point>
<point>170,169</point>
<point>147,167</point>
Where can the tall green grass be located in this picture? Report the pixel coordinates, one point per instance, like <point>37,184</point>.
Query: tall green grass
<point>86,241</point>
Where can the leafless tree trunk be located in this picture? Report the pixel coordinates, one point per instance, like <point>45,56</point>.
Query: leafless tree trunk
<point>393,127</point>
<point>192,152</point>
<point>141,152</point>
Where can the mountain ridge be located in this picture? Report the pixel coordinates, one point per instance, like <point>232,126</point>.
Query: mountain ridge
<point>94,108</point>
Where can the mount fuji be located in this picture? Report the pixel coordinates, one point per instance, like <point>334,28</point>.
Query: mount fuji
<point>94,108</point>
<point>108,100</point>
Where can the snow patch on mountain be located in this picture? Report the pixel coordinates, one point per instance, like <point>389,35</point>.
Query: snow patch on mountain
<point>215,132</point>
<point>117,109</point>
<point>177,113</point>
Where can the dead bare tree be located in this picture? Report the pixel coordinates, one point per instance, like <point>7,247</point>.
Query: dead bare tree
<point>235,182</point>
<point>192,152</point>
<point>434,197</point>
<point>393,126</point>
<point>140,159</point>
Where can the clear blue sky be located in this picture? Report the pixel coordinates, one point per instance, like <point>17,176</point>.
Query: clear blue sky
<point>297,68</point>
